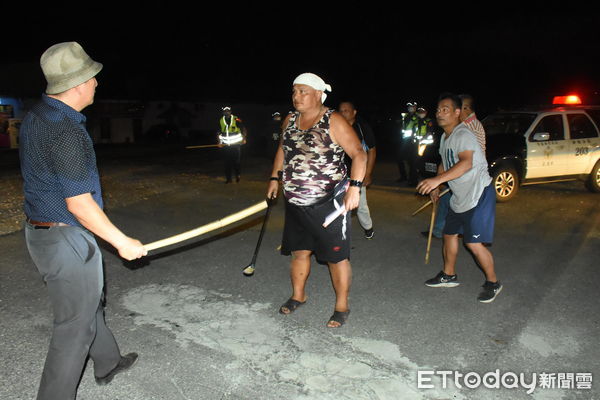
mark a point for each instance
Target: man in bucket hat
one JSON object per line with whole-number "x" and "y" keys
{"x": 63, "y": 206}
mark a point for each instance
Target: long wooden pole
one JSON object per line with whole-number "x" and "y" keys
{"x": 208, "y": 227}
{"x": 424, "y": 206}
{"x": 430, "y": 233}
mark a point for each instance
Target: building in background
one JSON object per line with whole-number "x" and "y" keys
{"x": 115, "y": 121}
{"x": 11, "y": 113}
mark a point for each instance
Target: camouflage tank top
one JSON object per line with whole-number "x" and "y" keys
{"x": 313, "y": 163}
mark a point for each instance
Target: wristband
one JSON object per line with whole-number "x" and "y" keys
{"x": 274, "y": 178}
{"x": 355, "y": 183}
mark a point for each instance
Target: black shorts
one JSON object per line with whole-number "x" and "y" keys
{"x": 303, "y": 230}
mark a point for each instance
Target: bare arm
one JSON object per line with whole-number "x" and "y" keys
{"x": 91, "y": 216}
{"x": 343, "y": 134}
{"x": 464, "y": 164}
{"x": 273, "y": 187}
{"x": 435, "y": 193}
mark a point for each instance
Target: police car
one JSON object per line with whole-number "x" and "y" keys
{"x": 537, "y": 145}
{"x": 554, "y": 143}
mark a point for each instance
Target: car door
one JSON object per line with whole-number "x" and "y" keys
{"x": 583, "y": 139}
{"x": 547, "y": 152}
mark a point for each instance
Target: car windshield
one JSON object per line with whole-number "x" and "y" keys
{"x": 507, "y": 123}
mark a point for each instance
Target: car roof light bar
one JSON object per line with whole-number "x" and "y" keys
{"x": 570, "y": 99}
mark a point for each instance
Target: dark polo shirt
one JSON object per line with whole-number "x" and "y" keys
{"x": 57, "y": 161}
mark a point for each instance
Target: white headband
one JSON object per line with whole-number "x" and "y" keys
{"x": 314, "y": 82}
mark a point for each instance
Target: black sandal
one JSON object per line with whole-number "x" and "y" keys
{"x": 340, "y": 317}
{"x": 291, "y": 306}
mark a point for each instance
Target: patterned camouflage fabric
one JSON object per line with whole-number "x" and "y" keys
{"x": 313, "y": 163}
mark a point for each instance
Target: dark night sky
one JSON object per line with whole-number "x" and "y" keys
{"x": 379, "y": 57}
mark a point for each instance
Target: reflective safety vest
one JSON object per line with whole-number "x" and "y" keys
{"x": 409, "y": 126}
{"x": 230, "y": 133}
{"x": 423, "y": 125}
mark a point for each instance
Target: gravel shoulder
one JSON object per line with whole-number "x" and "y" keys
{"x": 128, "y": 175}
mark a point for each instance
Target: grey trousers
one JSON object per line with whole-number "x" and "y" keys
{"x": 363, "y": 213}
{"x": 70, "y": 262}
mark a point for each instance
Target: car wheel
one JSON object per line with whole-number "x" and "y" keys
{"x": 593, "y": 182}
{"x": 506, "y": 184}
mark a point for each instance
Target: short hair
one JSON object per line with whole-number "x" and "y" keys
{"x": 456, "y": 100}
{"x": 465, "y": 96}
{"x": 352, "y": 103}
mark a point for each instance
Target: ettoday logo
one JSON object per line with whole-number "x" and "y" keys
{"x": 508, "y": 380}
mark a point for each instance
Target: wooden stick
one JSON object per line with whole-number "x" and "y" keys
{"x": 430, "y": 232}
{"x": 208, "y": 227}
{"x": 202, "y": 146}
{"x": 429, "y": 203}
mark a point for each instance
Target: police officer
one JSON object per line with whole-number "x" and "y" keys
{"x": 409, "y": 147}
{"x": 424, "y": 124}
{"x": 231, "y": 137}
{"x": 423, "y": 130}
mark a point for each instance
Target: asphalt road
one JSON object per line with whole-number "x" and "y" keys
{"x": 205, "y": 331}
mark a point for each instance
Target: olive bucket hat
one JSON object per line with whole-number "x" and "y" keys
{"x": 66, "y": 65}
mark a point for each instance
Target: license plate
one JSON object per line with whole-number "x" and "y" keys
{"x": 430, "y": 167}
